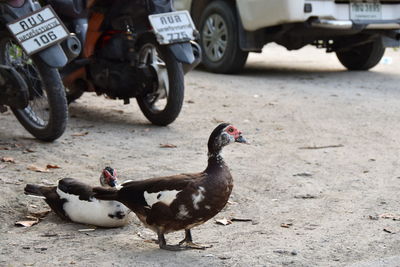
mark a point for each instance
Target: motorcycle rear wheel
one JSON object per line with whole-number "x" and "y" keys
{"x": 46, "y": 115}
{"x": 162, "y": 106}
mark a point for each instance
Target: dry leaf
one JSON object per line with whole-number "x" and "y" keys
{"x": 286, "y": 225}
{"x": 8, "y": 159}
{"x": 30, "y": 150}
{"x": 39, "y": 214}
{"x": 80, "y": 134}
{"x": 52, "y": 166}
{"x": 4, "y": 148}
{"x": 167, "y": 146}
{"x": 37, "y": 169}
{"x": 27, "y": 223}
{"x": 223, "y": 221}
{"x": 30, "y": 217}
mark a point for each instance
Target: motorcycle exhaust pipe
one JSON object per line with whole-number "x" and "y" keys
{"x": 197, "y": 57}
{"x": 72, "y": 47}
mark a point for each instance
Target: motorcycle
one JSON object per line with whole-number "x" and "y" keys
{"x": 131, "y": 49}
{"x": 30, "y": 55}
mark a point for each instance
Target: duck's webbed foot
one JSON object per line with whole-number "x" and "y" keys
{"x": 187, "y": 242}
{"x": 163, "y": 244}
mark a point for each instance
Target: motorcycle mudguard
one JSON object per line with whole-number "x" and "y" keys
{"x": 196, "y": 53}
{"x": 183, "y": 52}
{"x": 54, "y": 56}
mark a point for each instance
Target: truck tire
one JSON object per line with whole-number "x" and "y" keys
{"x": 362, "y": 57}
{"x": 219, "y": 39}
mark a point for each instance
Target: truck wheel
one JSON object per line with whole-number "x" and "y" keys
{"x": 219, "y": 39}
{"x": 362, "y": 57}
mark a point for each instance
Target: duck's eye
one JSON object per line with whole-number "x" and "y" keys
{"x": 230, "y": 130}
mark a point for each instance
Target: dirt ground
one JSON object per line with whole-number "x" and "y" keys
{"x": 332, "y": 206}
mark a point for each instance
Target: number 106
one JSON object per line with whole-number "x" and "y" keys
{"x": 45, "y": 38}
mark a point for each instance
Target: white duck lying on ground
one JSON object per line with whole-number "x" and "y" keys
{"x": 74, "y": 201}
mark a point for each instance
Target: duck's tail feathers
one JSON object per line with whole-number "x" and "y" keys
{"x": 34, "y": 190}
{"x": 105, "y": 193}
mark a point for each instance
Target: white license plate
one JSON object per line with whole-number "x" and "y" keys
{"x": 365, "y": 11}
{"x": 173, "y": 27}
{"x": 38, "y": 30}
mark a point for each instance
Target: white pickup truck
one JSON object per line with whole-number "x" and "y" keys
{"x": 358, "y": 31}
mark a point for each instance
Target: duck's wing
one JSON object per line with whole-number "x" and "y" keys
{"x": 160, "y": 189}
{"x": 174, "y": 182}
{"x": 74, "y": 187}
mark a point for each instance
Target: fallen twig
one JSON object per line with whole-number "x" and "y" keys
{"x": 320, "y": 147}
{"x": 241, "y": 220}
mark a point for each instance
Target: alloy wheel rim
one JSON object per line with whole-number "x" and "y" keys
{"x": 215, "y": 37}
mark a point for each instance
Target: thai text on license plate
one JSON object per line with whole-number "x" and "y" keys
{"x": 365, "y": 11}
{"x": 173, "y": 27}
{"x": 38, "y": 30}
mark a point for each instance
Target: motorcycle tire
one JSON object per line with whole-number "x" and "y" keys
{"x": 46, "y": 91}
{"x": 175, "y": 95}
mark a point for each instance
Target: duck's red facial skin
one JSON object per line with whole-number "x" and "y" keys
{"x": 110, "y": 177}
{"x": 231, "y": 130}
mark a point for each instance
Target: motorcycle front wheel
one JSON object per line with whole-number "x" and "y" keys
{"x": 162, "y": 105}
{"x": 46, "y": 115}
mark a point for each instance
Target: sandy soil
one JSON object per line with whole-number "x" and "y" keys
{"x": 331, "y": 206}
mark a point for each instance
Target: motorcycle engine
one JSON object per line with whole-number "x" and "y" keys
{"x": 112, "y": 73}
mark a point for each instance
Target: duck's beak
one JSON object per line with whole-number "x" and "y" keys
{"x": 113, "y": 183}
{"x": 241, "y": 139}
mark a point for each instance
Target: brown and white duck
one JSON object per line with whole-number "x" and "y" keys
{"x": 73, "y": 200}
{"x": 181, "y": 202}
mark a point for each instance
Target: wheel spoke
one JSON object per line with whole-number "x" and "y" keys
{"x": 207, "y": 36}
{"x": 218, "y": 22}
{"x": 210, "y": 25}
{"x": 37, "y": 109}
